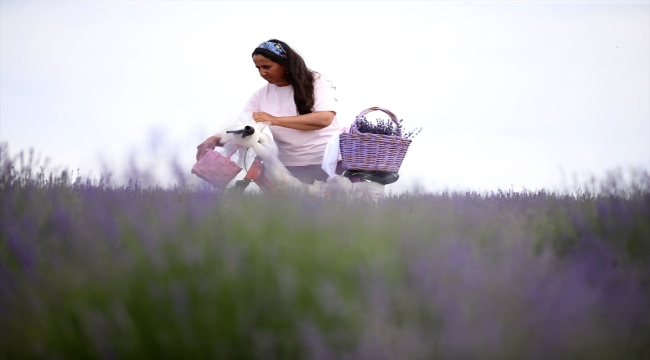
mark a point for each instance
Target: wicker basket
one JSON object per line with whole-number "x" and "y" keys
{"x": 216, "y": 169}
{"x": 372, "y": 152}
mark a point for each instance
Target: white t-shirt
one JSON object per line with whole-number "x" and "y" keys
{"x": 296, "y": 147}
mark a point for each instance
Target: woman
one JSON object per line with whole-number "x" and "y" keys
{"x": 299, "y": 105}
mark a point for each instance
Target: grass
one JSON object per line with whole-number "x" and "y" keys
{"x": 93, "y": 270}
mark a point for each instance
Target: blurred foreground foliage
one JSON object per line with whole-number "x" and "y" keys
{"x": 93, "y": 270}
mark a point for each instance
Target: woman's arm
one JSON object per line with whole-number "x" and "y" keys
{"x": 313, "y": 121}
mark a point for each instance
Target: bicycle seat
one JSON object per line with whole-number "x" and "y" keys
{"x": 381, "y": 177}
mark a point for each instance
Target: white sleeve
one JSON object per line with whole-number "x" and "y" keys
{"x": 253, "y": 104}
{"x": 324, "y": 99}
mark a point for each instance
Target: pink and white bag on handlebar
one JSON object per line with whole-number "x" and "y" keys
{"x": 216, "y": 168}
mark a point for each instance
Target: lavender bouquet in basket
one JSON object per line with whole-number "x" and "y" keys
{"x": 379, "y": 146}
{"x": 385, "y": 127}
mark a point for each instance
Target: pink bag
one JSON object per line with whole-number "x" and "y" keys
{"x": 216, "y": 169}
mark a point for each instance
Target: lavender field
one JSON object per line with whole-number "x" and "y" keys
{"x": 95, "y": 270}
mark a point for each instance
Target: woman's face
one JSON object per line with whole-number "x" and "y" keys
{"x": 271, "y": 71}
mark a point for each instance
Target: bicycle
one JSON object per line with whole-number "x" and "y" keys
{"x": 257, "y": 171}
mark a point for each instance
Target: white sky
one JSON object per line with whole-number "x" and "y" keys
{"x": 510, "y": 94}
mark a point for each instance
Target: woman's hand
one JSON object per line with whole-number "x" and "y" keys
{"x": 264, "y": 117}
{"x": 209, "y": 143}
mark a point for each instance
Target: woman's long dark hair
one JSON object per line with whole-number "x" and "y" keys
{"x": 298, "y": 75}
